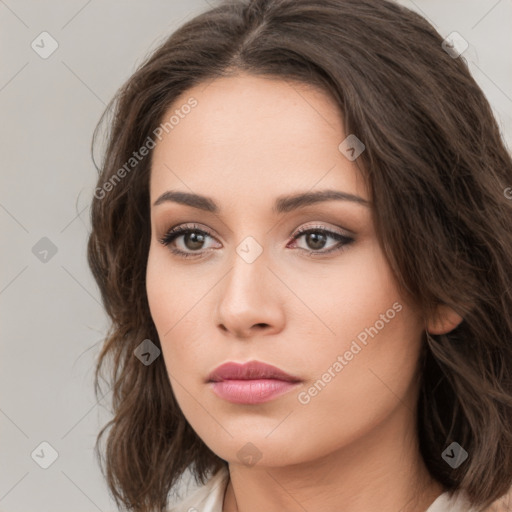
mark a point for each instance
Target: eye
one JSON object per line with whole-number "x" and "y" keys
{"x": 316, "y": 238}
{"x": 193, "y": 239}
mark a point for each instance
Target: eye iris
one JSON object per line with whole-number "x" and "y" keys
{"x": 197, "y": 240}
{"x": 317, "y": 239}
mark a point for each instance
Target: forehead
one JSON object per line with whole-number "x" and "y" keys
{"x": 248, "y": 133}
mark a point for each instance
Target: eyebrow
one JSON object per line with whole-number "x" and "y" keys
{"x": 283, "y": 204}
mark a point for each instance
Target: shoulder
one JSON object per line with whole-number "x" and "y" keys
{"x": 456, "y": 501}
{"x": 208, "y": 498}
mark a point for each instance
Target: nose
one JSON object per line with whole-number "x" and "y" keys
{"x": 250, "y": 301}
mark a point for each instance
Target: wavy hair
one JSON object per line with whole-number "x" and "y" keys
{"x": 438, "y": 173}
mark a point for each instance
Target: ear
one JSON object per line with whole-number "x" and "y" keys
{"x": 444, "y": 321}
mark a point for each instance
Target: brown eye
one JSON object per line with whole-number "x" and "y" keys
{"x": 192, "y": 241}
{"x": 316, "y": 239}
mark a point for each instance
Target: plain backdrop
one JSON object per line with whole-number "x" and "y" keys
{"x": 51, "y": 316}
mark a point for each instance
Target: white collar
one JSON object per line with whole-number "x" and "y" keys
{"x": 210, "y": 498}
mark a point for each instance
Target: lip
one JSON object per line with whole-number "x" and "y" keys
{"x": 250, "y": 383}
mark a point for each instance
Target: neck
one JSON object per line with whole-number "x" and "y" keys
{"x": 381, "y": 468}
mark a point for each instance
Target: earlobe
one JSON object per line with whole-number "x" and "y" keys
{"x": 446, "y": 319}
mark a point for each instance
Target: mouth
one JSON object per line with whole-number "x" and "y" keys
{"x": 250, "y": 383}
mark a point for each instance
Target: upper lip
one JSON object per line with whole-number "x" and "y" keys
{"x": 249, "y": 371}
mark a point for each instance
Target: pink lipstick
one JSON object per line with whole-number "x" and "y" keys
{"x": 250, "y": 383}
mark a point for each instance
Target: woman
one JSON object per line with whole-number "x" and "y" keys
{"x": 302, "y": 235}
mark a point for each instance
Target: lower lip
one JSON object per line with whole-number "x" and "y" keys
{"x": 254, "y": 391}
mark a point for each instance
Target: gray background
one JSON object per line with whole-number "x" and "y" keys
{"x": 51, "y": 317}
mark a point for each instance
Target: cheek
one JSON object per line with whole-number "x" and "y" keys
{"x": 160, "y": 297}
{"x": 170, "y": 290}
{"x": 174, "y": 302}
{"x": 349, "y": 297}
{"x": 164, "y": 302}
{"x": 358, "y": 373}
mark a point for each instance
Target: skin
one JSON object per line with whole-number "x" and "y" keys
{"x": 248, "y": 141}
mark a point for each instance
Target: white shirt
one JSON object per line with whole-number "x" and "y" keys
{"x": 210, "y": 497}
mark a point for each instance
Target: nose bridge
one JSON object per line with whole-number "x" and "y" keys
{"x": 248, "y": 270}
{"x": 247, "y": 296}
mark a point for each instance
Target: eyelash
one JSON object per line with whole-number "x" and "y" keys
{"x": 174, "y": 233}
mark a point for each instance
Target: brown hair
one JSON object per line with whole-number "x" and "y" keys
{"x": 438, "y": 172}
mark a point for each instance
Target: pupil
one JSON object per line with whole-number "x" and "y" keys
{"x": 197, "y": 239}
{"x": 315, "y": 238}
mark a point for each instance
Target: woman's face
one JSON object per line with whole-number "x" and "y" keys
{"x": 326, "y": 311}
